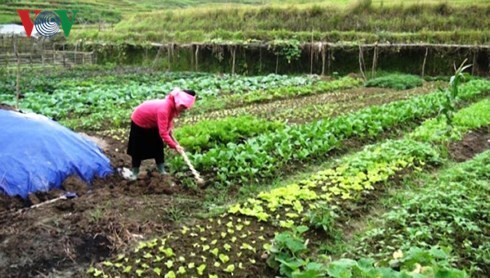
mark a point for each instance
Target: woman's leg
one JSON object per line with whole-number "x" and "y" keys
{"x": 135, "y": 143}
{"x": 135, "y": 164}
{"x": 159, "y": 160}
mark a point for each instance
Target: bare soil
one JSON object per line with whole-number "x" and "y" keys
{"x": 61, "y": 238}
{"x": 6, "y": 107}
{"x": 473, "y": 143}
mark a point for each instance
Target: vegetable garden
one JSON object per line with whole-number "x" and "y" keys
{"x": 335, "y": 139}
{"x": 296, "y": 170}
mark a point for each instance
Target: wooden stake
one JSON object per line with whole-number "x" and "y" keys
{"x": 323, "y": 50}
{"x": 233, "y": 53}
{"x": 311, "y": 53}
{"x": 192, "y": 57}
{"x": 197, "y": 58}
{"x": 425, "y": 60}
{"x": 17, "y": 85}
{"x": 158, "y": 55}
{"x": 169, "y": 53}
{"x": 375, "y": 61}
{"x": 277, "y": 62}
{"x": 260, "y": 59}
{"x": 361, "y": 62}
{"x": 42, "y": 51}
{"x": 473, "y": 68}
{"x": 329, "y": 59}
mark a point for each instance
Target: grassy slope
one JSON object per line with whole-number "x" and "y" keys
{"x": 332, "y": 20}
{"x": 453, "y": 23}
{"x": 91, "y": 11}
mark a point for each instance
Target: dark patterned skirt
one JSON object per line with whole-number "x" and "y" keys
{"x": 145, "y": 143}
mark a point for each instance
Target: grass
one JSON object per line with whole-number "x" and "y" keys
{"x": 435, "y": 21}
{"x": 91, "y": 11}
{"x": 393, "y": 23}
{"x": 319, "y": 18}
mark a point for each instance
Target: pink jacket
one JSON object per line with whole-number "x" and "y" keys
{"x": 157, "y": 113}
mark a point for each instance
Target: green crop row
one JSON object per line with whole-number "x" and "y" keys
{"x": 286, "y": 206}
{"x": 451, "y": 211}
{"x": 395, "y": 81}
{"x": 290, "y": 254}
{"x": 307, "y": 110}
{"x": 264, "y": 156}
{"x": 207, "y": 134}
{"x": 287, "y": 92}
{"x": 94, "y": 117}
{"x": 89, "y": 104}
{"x": 359, "y": 173}
{"x": 272, "y": 102}
{"x": 320, "y": 200}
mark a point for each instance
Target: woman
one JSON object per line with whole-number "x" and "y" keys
{"x": 151, "y": 126}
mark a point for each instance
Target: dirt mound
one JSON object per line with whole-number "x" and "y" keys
{"x": 473, "y": 143}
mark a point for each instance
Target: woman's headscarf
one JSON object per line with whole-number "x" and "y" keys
{"x": 183, "y": 98}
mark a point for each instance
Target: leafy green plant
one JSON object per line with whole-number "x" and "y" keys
{"x": 323, "y": 216}
{"x": 415, "y": 263}
{"x": 437, "y": 131}
{"x": 448, "y": 211}
{"x": 287, "y": 254}
{"x": 449, "y": 106}
{"x": 290, "y": 49}
{"x": 395, "y": 81}
{"x": 207, "y": 134}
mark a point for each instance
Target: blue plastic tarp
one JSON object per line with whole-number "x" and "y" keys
{"x": 38, "y": 154}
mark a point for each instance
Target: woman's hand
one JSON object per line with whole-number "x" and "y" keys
{"x": 179, "y": 149}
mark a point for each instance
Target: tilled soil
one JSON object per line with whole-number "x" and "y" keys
{"x": 64, "y": 236}
{"x": 473, "y": 143}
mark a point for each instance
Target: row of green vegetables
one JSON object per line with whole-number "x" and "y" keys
{"x": 119, "y": 111}
{"x": 395, "y": 81}
{"x": 323, "y": 201}
{"x": 355, "y": 174}
{"x": 114, "y": 80}
{"x": 87, "y": 105}
{"x": 264, "y": 156}
{"x": 450, "y": 211}
{"x": 314, "y": 107}
{"x": 239, "y": 242}
{"x": 314, "y": 111}
{"x": 47, "y": 80}
{"x": 143, "y": 86}
{"x": 209, "y": 133}
{"x": 381, "y": 160}
{"x": 274, "y": 93}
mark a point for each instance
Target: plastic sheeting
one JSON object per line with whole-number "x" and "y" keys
{"x": 38, "y": 154}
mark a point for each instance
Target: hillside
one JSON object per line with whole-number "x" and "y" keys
{"x": 365, "y": 21}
